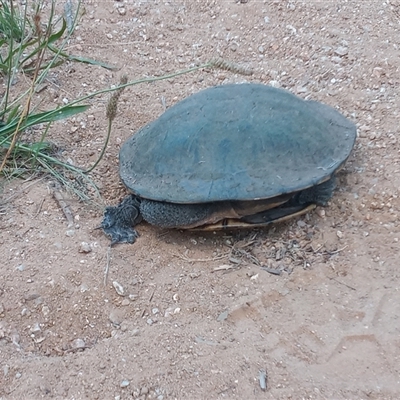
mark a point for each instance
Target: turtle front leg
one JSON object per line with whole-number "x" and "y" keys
{"x": 118, "y": 221}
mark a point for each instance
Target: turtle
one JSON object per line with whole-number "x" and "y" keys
{"x": 233, "y": 155}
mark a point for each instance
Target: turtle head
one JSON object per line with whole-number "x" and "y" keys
{"x": 118, "y": 222}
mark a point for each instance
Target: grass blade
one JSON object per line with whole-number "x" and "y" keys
{"x": 57, "y": 35}
{"x": 40, "y": 118}
{"x": 84, "y": 60}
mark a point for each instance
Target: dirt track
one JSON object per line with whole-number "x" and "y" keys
{"x": 328, "y": 327}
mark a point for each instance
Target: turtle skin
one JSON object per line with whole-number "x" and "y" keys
{"x": 119, "y": 221}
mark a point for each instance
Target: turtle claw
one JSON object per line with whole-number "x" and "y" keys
{"x": 118, "y": 221}
{"x": 128, "y": 235}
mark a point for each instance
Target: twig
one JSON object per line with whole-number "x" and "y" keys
{"x": 39, "y": 208}
{"x": 151, "y": 296}
{"x": 272, "y": 271}
{"x": 224, "y": 267}
{"x": 317, "y": 249}
{"x": 331, "y": 253}
{"x": 342, "y": 283}
{"x": 107, "y": 267}
{"x": 64, "y": 207}
{"x": 243, "y": 253}
{"x": 200, "y": 259}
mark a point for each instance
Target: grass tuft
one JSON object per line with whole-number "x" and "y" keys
{"x": 32, "y": 40}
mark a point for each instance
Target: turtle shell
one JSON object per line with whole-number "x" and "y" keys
{"x": 236, "y": 142}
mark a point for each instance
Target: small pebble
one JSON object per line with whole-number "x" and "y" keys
{"x": 45, "y": 310}
{"x": 117, "y": 316}
{"x": 301, "y": 89}
{"x": 254, "y": 277}
{"x": 339, "y": 234}
{"x": 25, "y": 312}
{"x": 124, "y": 383}
{"x": 125, "y": 302}
{"x": 150, "y": 321}
{"x": 233, "y": 47}
{"x": 35, "y": 327}
{"x": 341, "y": 51}
{"x": 31, "y": 296}
{"x": 135, "y": 332}
{"x": 301, "y": 224}
{"x": 168, "y": 312}
{"x": 70, "y": 232}
{"x": 78, "y": 344}
{"x": 262, "y": 376}
{"x": 144, "y": 390}
{"x": 378, "y": 71}
{"x": 85, "y": 248}
{"x": 336, "y": 60}
{"x": 15, "y": 338}
{"x": 119, "y": 288}
{"x": 223, "y": 316}
{"x": 84, "y": 288}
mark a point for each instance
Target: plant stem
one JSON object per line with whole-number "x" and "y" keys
{"x": 102, "y": 150}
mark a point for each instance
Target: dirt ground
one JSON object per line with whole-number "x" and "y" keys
{"x": 194, "y": 315}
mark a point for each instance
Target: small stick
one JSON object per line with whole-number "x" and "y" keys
{"x": 224, "y": 267}
{"x": 331, "y": 253}
{"x": 200, "y": 259}
{"x": 342, "y": 283}
{"x": 64, "y": 207}
{"x": 317, "y": 249}
{"x": 39, "y": 208}
{"x": 151, "y": 297}
{"x": 107, "y": 267}
{"x": 273, "y": 271}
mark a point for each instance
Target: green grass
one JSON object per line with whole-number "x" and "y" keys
{"x": 32, "y": 42}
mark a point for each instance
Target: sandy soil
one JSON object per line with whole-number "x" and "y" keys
{"x": 198, "y": 317}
